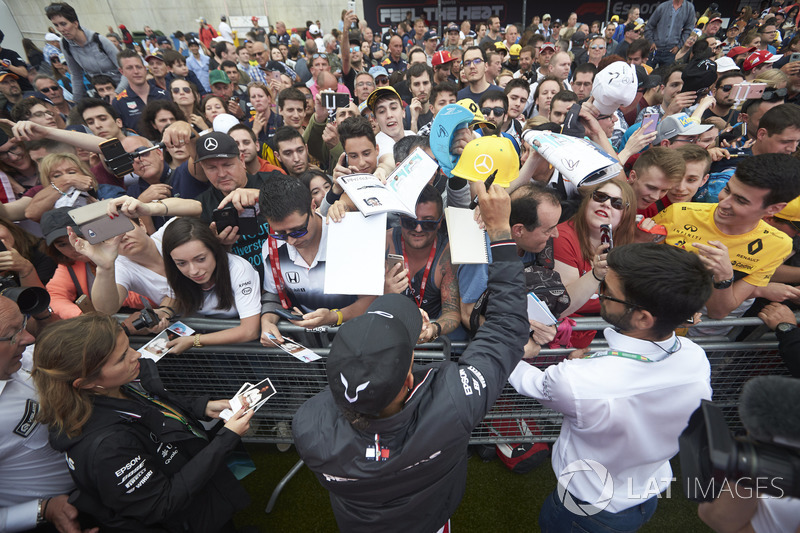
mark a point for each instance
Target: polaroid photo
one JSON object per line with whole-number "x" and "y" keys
{"x": 181, "y": 329}
{"x": 157, "y": 347}
{"x": 255, "y": 396}
{"x": 298, "y": 350}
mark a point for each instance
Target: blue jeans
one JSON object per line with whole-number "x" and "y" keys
{"x": 662, "y": 57}
{"x": 555, "y": 518}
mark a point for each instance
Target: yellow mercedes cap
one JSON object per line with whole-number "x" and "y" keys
{"x": 484, "y": 155}
{"x": 479, "y": 120}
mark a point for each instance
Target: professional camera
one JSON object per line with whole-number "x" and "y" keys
{"x": 30, "y": 300}
{"x": 767, "y": 459}
{"x": 147, "y": 319}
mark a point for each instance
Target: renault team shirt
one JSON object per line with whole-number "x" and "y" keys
{"x": 754, "y": 255}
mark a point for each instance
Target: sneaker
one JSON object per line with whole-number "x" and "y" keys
{"x": 284, "y": 432}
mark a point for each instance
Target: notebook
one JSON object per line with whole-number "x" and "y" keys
{"x": 538, "y": 311}
{"x": 467, "y": 240}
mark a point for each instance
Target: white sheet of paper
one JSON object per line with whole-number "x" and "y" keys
{"x": 355, "y": 255}
{"x": 538, "y": 311}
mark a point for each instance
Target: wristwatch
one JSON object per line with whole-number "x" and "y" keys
{"x": 722, "y": 284}
{"x": 784, "y": 327}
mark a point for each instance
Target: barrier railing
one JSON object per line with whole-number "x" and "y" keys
{"x": 220, "y": 370}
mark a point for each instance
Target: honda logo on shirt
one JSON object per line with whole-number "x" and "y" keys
{"x": 293, "y": 277}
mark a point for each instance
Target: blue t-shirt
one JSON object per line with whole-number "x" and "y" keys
{"x": 184, "y": 185}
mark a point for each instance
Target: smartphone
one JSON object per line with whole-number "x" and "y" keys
{"x": 794, "y": 57}
{"x": 225, "y": 217}
{"x": 3, "y": 247}
{"x": 84, "y": 303}
{"x": 748, "y": 91}
{"x": 351, "y": 5}
{"x": 737, "y": 132}
{"x": 394, "y": 259}
{"x": 335, "y": 100}
{"x": 274, "y": 75}
{"x": 96, "y": 225}
{"x": 283, "y": 313}
{"x": 649, "y": 123}
{"x": 605, "y": 236}
{"x": 117, "y": 159}
{"x": 248, "y": 221}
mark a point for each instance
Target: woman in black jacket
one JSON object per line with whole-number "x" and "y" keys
{"x": 138, "y": 454}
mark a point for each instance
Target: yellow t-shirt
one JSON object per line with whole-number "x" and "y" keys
{"x": 754, "y": 255}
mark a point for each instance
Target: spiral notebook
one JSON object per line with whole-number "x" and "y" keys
{"x": 467, "y": 240}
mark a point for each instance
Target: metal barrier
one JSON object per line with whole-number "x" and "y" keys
{"x": 220, "y": 370}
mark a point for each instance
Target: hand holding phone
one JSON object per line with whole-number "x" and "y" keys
{"x": 649, "y": 123}
{"x": 283, "y": 313}
{"x": 605, "y": 236}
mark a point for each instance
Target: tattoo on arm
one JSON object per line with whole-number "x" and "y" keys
{"x": 451, "y": 299}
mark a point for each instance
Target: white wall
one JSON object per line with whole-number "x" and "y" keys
{"x": 169, "y": 16}
{"x": 13, "y": 37}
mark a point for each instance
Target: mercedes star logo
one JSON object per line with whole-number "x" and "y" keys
{"x": 210, "y": 144}
{"x": 484, "y": 164}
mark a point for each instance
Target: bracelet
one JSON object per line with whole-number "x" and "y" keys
{"x": 53, "y": 185}
{"x": 41, "y": 508}
{"x": 599, "y": 280}
{"x": 171, "y": 313}
{"x": 166, "y": 209}
{"x": 197, "y": 343}
{"x": 438, "y": 330}
{"x": 339, "y": 317}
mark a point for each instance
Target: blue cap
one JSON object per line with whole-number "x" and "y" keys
{"x": 378, "y": 71}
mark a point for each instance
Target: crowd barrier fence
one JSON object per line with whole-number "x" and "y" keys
{"x": 220, "y": 371}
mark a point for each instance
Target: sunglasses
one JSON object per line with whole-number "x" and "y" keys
{"x": 354, "y": 49}
{"x": 178, "y": 90}
{"x": 792, "y": 223}
{"x": 726, "y": 88}
{"x": 597, "y": 47}
{"x": 774, "y": 94}
{"x": 472, "y": 62}
{"x": 601, "y": 294}
{"x": 382, "y": 80}
{"x": 497, "y": 111}
{"x": 616, "y": 203}
{"x": 296, "y": 234}
{"x": 53, "y": 89}
{"x": 412, "y": 223}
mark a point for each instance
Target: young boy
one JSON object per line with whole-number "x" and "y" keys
{"x": 176, "y": 64}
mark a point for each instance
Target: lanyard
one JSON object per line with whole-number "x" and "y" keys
{"x": 636, "y": 357}
{"x": 167, "y": 411}
{"x": 425, "y": 274}
{"x": 275, "y": 264}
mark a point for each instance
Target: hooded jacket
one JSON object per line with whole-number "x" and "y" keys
{"x": 138, "y": 470}
{"x": 407, "y": 472}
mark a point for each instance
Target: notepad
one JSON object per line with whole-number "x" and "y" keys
{"x": 538, "y": 311}
{"x": 467, "y": 239}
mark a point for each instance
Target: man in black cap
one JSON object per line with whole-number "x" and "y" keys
{"x": 389, "y": 441}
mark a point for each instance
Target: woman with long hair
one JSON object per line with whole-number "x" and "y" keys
{"x": 186, "y": 95}
{"x": 578, "y": 246}
{"x": 213, "y": 106}
{"x": 208, "y": 281}
{"x": 138, "y": 453}
{"x": 157, "y": 115}
{"x": 23, "y": 256}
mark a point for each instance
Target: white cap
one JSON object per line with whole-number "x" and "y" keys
{"x": 313, "y": 29}
{"x": 224, "y": 122}
{"x": 614, "y": 86}
{"x": 725, "y": 64}
{"x": 50, "y": 36}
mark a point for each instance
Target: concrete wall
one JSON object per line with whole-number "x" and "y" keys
{"x": 171, "y": 15}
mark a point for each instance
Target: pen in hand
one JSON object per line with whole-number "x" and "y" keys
{"x": 488, "y": 183}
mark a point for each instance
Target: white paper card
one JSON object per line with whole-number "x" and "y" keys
{"x": 538, "y": 311}
{"x": 356, "y": 247}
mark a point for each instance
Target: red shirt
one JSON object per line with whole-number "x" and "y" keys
{"x": 567, "y": 249}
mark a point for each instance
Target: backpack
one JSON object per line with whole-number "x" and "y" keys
{"x": 95, "y": 39}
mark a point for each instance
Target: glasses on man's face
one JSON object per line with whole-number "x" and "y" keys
{"x": 42, "y": 114}
{"x": 726, "y": 88}
{"x": 366, "y": 84}
{"x": 51, "y": 89}
{"x": 472, "y": 62}
{"x": 178, "y": 90}
{"x": 354, "y": 49}
{"x": 597, "y": 47}
{"x": 16, "y": 151}
{"x": 13, "y": 339}
{"x": 688, "y": 140}
{"x": 601, "y": 294}
{"x": 426, "y": 225}
{"x": 496, "y": 111}
{"x": 616, "y": 203}
{"x": 294, "y": 234}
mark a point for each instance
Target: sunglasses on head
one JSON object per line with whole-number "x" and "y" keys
{"x": 426, "y": 225}
{"x": 616, "y": 203}
{"x": 770, "y": 95}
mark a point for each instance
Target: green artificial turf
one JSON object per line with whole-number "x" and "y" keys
{"x": 496, "y": 499}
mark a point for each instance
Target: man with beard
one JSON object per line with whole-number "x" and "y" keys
{"x": 474, "y": 65}
{"x": 613, "y": 400}
{"x": 420, "y": 81}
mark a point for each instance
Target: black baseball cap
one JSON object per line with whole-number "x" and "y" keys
{"x": 371, "y": 355}
{"x": 699, "y": 75}
{"x": 216, "y": 144}
{"x": 54, "y": 224}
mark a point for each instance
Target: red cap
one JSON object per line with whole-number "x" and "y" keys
{"x": 551, "y": 46}
{"x": 715, "y": 19}
{"x": 441, "y": 57}
{"x": 736, "y": 50}
{"x": 758, "y": 58}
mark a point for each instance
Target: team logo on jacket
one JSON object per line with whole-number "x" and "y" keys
{"x": 293, "y": 277}
{"x": 358, "y": 389}
{"x": 376, "y": 452}
{"x": 131, "y": 105}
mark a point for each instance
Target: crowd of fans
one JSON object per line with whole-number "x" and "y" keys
{"x": 703, "y": 120}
